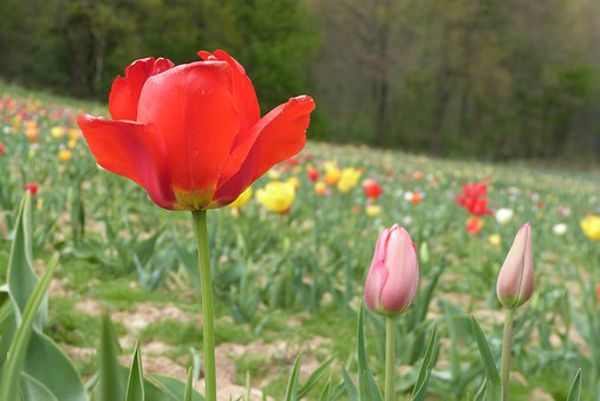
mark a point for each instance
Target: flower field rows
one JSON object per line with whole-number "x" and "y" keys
{"x": 289, "y": 261}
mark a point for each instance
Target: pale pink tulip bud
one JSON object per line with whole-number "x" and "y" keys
{"x": 393, "y": 279}
{"x": 515, "y": 281}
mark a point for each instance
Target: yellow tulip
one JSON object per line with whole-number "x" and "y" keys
{"x": 591, "y": 227}
{"x": 73, "y": 134}
{"x": 294, "y": 181}
{"x": 72, "y": 144}
{"x": 349, "y": 179}
{"x": 57, "y": 132}
{"x": 64, "y": 155}
{"x": 332, "y": 173}
{"x": 495, "y": 240}
{"x": 277, "y": 196}
{"x": 242, "y": 199}
{"x": 320, "y": 188}
{"x": 373, "y": 210}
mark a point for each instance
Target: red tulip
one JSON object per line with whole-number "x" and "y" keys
{"x": 312, "y": 173}
{"x": 2, "y": 149}
{"x": 473, "y": 199}
{"x": 31, "y": 187}
{"x": 192, "y": 135}
{"x": 294, "y": 161}
{"x": 474, "y": 225}
{"x": 393, "y": 278}
{"x": 371, "y": 188}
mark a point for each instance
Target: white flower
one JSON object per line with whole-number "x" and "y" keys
{"x": 504, "y": 215}
{"x": 559, "y": 229}
{"x": 408, "y": 196}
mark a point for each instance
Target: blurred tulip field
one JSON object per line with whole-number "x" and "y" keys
{"x": 289, "y": 261}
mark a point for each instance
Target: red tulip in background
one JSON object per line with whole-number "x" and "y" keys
{"x": 192, "y": 134}
{"x": 474, "y": 199}
{"x": 313, "y": 174}
{"x": 2, "y": 149}
{"x": 31, "y": 187}
{"x": 474, "y": 225}
{"x": 371, "y": 188}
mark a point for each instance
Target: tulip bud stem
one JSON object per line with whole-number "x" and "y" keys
{"x": 506, "y": 347}
{"x": 208, "y": 313}
{"x": 390, "y": 357}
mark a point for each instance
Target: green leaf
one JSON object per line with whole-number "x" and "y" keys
{"x": 367, "y": 386}
{"x": 349, "y": 385}
{"x": 325, "y": 394}
{"x": 575, "y": 392}
{"x": 112, "y": 385}
{"x": 35, "y": 390}
{"x": 167, "y": 388}
{"x": 314, "y": 378}
{"x": 494, "y": 386}
{"x": 426, "y": 367}
{"x": 11, "y": 372}
{"x": 21, "y": 276}
{"x": 189, "y": 385}
{"x": 290, "y": 388}
{"x": 480, "y": 395}
{"x": 62, "y": 379}
{"x": 135, "y": 383}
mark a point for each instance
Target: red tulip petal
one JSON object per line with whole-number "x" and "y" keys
{"x": 192, "y": 108}
{"x": 131, "y": 150}
{"x": 125, "y": 92}
{"x": 243, "y": 91}
{"x": 278, "y": 136}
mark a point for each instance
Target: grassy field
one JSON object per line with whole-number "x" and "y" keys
{"x": 289, "y": 283}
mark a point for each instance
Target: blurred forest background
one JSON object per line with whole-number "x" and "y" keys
{"x": 495, "y": 79}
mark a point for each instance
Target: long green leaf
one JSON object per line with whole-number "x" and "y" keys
{"x": 575, "y": 392}
{"x": 21, "y": 277}
{"x": 367, "y": 387}
{"x": 135, "y": 383}
{"x": 290, "y": 388}
{"x": 426, "y": 367}
{"x": 11, "y": 372}
{"x": 480, "y": 395}
{"x": 494, "y": 386}
{"x": 112, "y": 385}
{"x": 314, "y": 378}
{"x": 350, "y": 386}
{"x": 35, "y": 390}
{"x": 165, "y": 388}
{"x": 62, "y": 379}
{"x": 189, "y": 385}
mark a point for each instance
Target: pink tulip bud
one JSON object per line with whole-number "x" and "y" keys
{"x": 515, "y": 281}
{"x": 393, "y": 279}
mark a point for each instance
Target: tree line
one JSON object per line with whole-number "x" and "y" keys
{"x": 496, "y": 79}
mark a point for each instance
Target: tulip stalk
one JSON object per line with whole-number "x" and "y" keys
{"x": 506, "y": 347}
{"x": 208, "y": 313}
{"x": 390, "y": 357}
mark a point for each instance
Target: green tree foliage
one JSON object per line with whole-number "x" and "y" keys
{"x": 489, "y": 78}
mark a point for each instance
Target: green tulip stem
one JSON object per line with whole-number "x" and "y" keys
{"x": 506, "y": 346}
{"x": 208, "y": 313}
{"x": 390, "y": 358}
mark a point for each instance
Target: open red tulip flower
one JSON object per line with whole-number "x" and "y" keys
{"x": 192, "y": 134}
